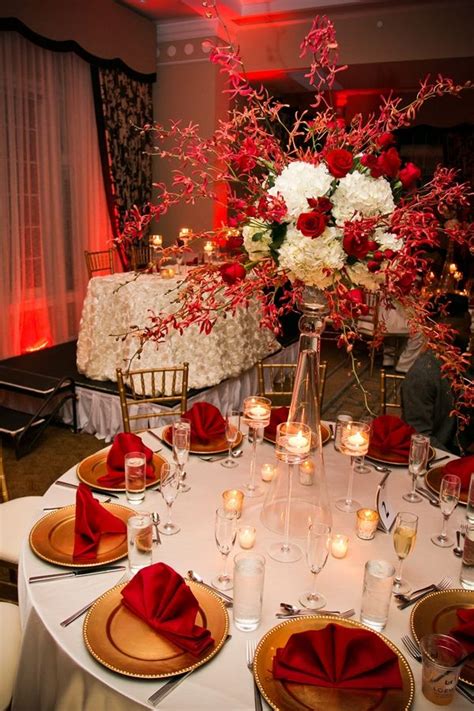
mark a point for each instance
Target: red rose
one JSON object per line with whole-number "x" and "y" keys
{"x": 370, "y": 161}
{"x": 385, "y": 140}
{"x": 232, "y": 272}
{"x": 409, "y": 175}
{"x": 235, "y": 242}
{"x": 339, "y": 162}
{"x": 356, "y": 298}
{"x": 389, "y": 253}
{"x": 355, "y": 244}
{"x": 389, "y": 163}
{"x": 321, "y": 204}
{"x": 372, "y": 245}
{"x": 378, "y": 255}
{"x": 312, "y": 224}
{"x": 373, "y": 266}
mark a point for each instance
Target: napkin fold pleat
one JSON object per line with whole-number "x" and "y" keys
{"x": 207, "y": 423}
{"x": 159, "y": 596}
{"x": 337, "y": 656}
{"x": 391, "y": 435}
{"x": 123, "y": 444}
{"x": 277, "y": 416}
{"x": 463, "y": 468}
{"x": 464, "y": 632}
{"x": 92, "y": 521}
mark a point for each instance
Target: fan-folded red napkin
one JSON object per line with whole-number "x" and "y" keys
{"x": 463, "y": 468}
{"x": 277, "y": 416}
{"x": 162, "y": 599}
{"x": 390, "y": 435}
{"x": 124, "y": 443}
{"x": 92, "y": 520}
{"x": 337, "y": 656}
{"x": 206, "y": 421}
{"x": 464, "y": 632}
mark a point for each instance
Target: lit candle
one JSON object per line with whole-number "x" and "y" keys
{"x": 165, "y": 273}
{"x": 297, "y": 443}
{"x": 208, "y": 247}
{"x": 339, "y": 545}
{"x": 257, "y": 412}
{"x": 184, "y": 232}
{"x": 306, "y": 472}
{"x": 247, "y": 535}
{"x": 268, "y": 472}
{"x": 171, "y": 272}
{"x": 453, "y": 268}
{"x": 366, "y": 525}
{"x": 233, "y": 501}
{"x": 156, "y": 240}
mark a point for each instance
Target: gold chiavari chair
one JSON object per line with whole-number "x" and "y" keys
{"x": 168, "y": 386}
{"x": 390, "y": 395}
{"x": 367, "y": 324}
{"x": 276, "y": 380}
{"x": 102, "y": 261}
{"x": 141, "y": 256}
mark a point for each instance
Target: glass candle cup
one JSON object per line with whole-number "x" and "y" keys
{"x": 233, "y": 501}
{"x": 366, "y": 523}
{"x": 339, "y": 545}
{"x": 135, "y": 476}
{"x": 268, "y": 472}
{"x": 139, "y": 541}
{"x": 467, "y": 569}
{"x": 246, "y": 536}
{"x": 440, "y": 667}
{"x": 340, "y": 419}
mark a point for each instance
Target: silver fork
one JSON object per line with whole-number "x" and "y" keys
{"x": 304, "y": 613}
{"x": 443, "y": 584}
{"x": 250, "y": 653}
{"x": 84, "y": 609}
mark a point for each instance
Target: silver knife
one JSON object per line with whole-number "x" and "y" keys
{"x": 74, "y": 573}
{"x": 67, "y": 485}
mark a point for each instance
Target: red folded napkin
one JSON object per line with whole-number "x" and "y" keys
{"x": 92, "y": 520}
{"x": 124, "y": 443}
{"x": 277, "y": 416}
{"x": 206, "y": 421}
{"x": 162, "y": 599}
{"x": 390, "y": 435}
{"x": 463, "y": 468}
{"x": 337, "y": 656}
{"x": 464, "y": 632}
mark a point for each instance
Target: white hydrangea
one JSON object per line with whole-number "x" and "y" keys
{"x": 361, "y": 195}
{"x": 360, "y": 275}
{"x": 307, "y": 259}
{"x": 387, "y": 240}
{"x": 299, "y": 181}
{"x": 258, "y": 249}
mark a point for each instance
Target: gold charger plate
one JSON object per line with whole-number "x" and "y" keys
{"x": 288, "y": 696}
{"x": 52, "y": 538}
{"x": 93, "y": 467}
{"x": 216, "y": 446}
{"x": 433, "y": 480}
{"x": 376, "y": 456}
{"x": 437, "y": 613}
{"x": 325, "y": 435}
{"x": 124, "y": 643}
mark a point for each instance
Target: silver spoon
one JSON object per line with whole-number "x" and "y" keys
{"x": 457, "y": 550}
{"x": 192, "y": 575}
{"x": 384, "y": 470}
{"x": 156, "y": 520}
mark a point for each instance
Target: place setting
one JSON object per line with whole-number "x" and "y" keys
{"x": 207, "y": 431}
{"x": 390, "y": 441}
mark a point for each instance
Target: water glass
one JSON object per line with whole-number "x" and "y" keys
{"x": 139, "y": 541}
{"x": 440, "y": 667}
{"x": 135, "y": 477}
{"x": 249, "y": 574}
{"x": 376, "y": 593}
{"x": 470, "y": 501}
{"x": 340, "y": 420}
{"x": 467, "y": 568}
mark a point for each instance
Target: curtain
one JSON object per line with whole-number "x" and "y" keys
{"x": 52, "y": 198}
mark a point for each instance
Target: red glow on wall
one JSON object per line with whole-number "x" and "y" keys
{"x": 35, "y": 333}
{"x": 266, "y": 75}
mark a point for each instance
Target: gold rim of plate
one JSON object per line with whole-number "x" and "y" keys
{"x": 274, "y": 692}
{"x": 396, "y": 462}
{"x": 433, "y": 481}
{"x": 217, "y": 446}
{"x": 325, "y": 435}
{"x": 94, "y": 466}
{"x": 113, "y": 635}
{"x": 52, "y": 538}
{"x": 436, "y": 613}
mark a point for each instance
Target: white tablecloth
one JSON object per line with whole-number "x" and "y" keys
{"x": 56, "y": 671}
{"x": 115, "y": 303}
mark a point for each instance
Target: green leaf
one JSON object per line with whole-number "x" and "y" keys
{"x": 278, "y": 230}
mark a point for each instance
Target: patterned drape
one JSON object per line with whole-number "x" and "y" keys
{"x": 123, "y": 105}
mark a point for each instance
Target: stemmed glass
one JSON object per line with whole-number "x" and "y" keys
{"x": 232, "y": 428}
{"x": 225, "y": 531}
{"x": 404, "y": 537}
{"x": 354, "y": 443}
{"x": 449, "y": 493}
{"x": 169, "y": 486}
{"x": 181, "y": 446}
{"x": 257, "y": 411}
{"x": 317, "y": 551}
{"x": 417, "y": 461}
{"x": 360, "y": 465}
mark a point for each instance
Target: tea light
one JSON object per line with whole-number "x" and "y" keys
{"x": 268, "y": 472}
{"x": 156, "y": 240}
{"x": 306, "y": 472}
{"x": 339, "y": 545}
{"x": 247, "y": 535}
{"x": 208, "y": 247}
{"x": 185, "y": 232}
{"x": 366, "y": 524}
{"x": 257, "y": 411}
{"x": 297, "y": 443}
{"x": 233, "y": 501}
{"x": 355, "y": 438}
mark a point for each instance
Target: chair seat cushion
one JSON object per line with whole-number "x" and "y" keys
{"x": 16, "y": 517}
{"x": 9, "y": 649}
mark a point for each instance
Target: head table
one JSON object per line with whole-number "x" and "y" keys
{"x": 57, "y": 672}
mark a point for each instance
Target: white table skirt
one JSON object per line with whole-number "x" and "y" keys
{"x": 57, "y": 672}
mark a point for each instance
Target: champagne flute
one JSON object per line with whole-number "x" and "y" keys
{"x": 232, "y": 428}
{"x": 404, "y": 537}
{"x": 181, "y": 446}
{"x": 317, "y": 551}
{"x": 417, "y": 461}
{"x": 169, "y": 486}
{"x": 449, "y": 493}
{"x": 225, "y": 531}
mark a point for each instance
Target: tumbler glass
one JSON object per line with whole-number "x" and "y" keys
{"x": 139, "y": 541}
{"x": 249, "y": 574}
{"x": 441, "y": 655}
{"x": 376, "y": 593}
{"x": 135, "y": 477}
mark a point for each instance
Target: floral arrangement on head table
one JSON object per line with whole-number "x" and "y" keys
{"x": 317, "y": 204}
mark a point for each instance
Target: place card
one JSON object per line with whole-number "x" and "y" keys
{"x": 387, "y": 513}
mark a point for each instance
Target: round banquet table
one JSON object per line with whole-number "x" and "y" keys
{"x": 57, "y": 672}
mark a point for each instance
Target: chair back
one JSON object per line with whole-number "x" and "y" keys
{"x": 390, "y": 395}
{"x": 143, "y": 391}
{"x": 276, "y": 380}
{"x": 102, "y": 261}
{"x": 140, "y": 257}
{"x": 4, "y": 496}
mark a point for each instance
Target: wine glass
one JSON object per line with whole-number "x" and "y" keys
{"x": 449, "y": 493}
{"x": 404, "y": 537}
{"x": 354, "y": 443}
{"x": 232, "y": 428}
{"x": 317, "y": 551}
{"x": 181, "y": 446}
{"x": 417, "y": 460}
{"x": 169, "y": 486}
{"x": 225, "y": 531}
{"x": 360, "y": 466}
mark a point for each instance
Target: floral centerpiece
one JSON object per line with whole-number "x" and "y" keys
{"x": 316, "y": 203}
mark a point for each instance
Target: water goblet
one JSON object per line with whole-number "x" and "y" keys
{"x": 256, "y": 416}
{"x": 317, "y": 551}
{"x": 181, "y": 446}
{"x": 232, "y": 428}
{"x": 225, "y": 532}
{"x": 417, "y": 461}
{"x": 354, "y": 443}
{"x": 404, "y": 537}
{"x": 449, "y": 493}
{"x": 169, "y": 486}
